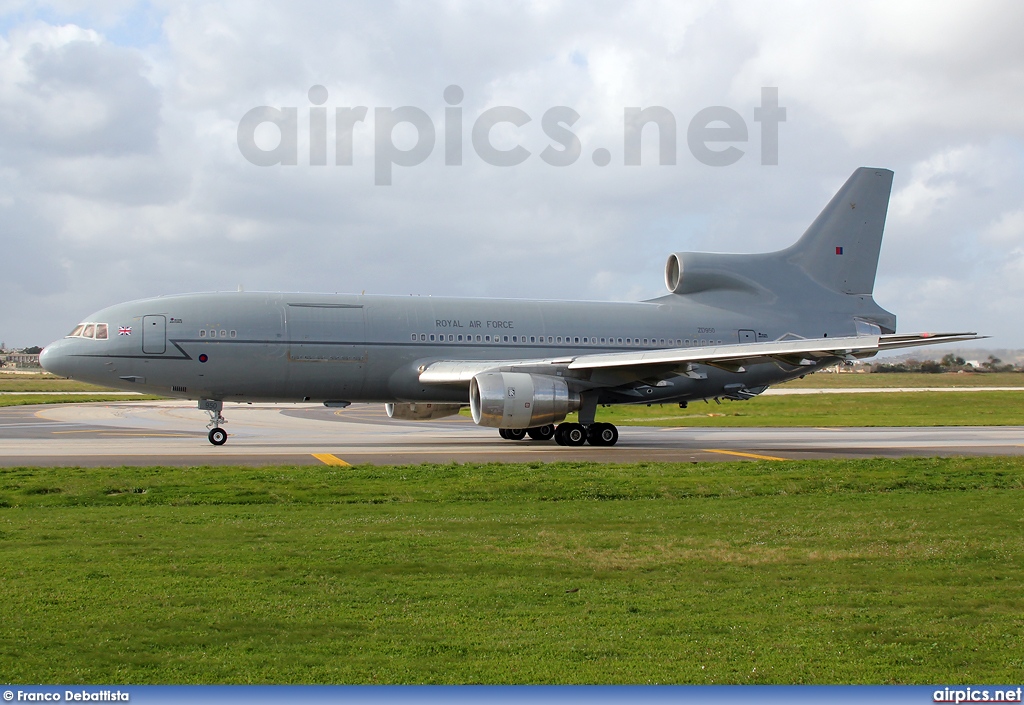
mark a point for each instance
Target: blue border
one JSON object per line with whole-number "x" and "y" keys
{"x": 535, "y": 695}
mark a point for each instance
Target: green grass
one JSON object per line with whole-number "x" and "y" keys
{"x": 833, "y": 410}
{"x": 827, "y": 380}
{"x": 39, "y": 388}
{"x": 23, "y": 399}
{"x": 44, "y": 382}
{"x": 884, "y": 571}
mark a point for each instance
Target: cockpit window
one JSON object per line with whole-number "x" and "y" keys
{"x": 97, "y": 331}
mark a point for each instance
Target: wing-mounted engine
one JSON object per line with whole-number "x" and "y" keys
{"x": 421, "y": 411}
{"x": 520, "y": 400}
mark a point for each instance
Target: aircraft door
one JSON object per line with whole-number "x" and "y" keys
{"x": 326, "y": 349}
{"x": 154, "y": 335}
{"x": 748, "y": 336}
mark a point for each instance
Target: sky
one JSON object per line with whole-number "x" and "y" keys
{"x": 125, "y": 172}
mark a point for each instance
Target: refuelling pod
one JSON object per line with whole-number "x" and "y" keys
{"x": 421, "y": 411}
{"x": 519, "y": 400}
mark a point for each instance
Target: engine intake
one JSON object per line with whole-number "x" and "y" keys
{"x": 519, "y": 400}
{"x": 693, "y": 272}
{"x": 419, "y": 411}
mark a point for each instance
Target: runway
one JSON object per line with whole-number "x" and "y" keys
{"x": 173, "y": 433}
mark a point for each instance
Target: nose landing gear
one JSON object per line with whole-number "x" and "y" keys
{"x": 217, "y": 436}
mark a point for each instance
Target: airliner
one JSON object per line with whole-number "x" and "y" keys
{"x": 730, "y": 326}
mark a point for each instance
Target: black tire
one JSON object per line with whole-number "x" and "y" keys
{"x": 503, "y": 433}
{"x": 574, "y": 434}
{"x": 542, "y": 433}
{"x": 560, "y": 434}
{"x": 218, "y": 436}
{"x": 515, "y": 434}
{"x": 602, "y": 434}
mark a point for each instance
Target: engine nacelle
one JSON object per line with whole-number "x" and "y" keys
{"x": 693, "y": 272}
{"x": 420, "y": 411}
{"x": 520, "y": 400}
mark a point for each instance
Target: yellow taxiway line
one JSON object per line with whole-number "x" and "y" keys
{"x": 328, "y": 459}
{"x": 742, "y": 455}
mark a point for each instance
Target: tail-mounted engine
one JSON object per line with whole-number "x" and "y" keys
{"x": 520, "y": 400}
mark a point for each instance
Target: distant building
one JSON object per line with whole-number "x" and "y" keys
{"x": 20, "y": 359}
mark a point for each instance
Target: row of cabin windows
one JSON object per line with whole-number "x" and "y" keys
{"x": 213, "y": 334}
{"x": 557, "y": 340}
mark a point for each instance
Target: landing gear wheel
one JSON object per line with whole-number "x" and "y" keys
{"x": 218, "y": 436}
{"x": 542, "y": 433}
{"x": 570, "y": 434}
{"x": 515, "y": 434}
{"x": 503, "y": 433}
{"x": 602, "y": 434}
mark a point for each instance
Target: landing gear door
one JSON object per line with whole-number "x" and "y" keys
{"x": 154, "y": 335}
{"x": 748, "y": 336}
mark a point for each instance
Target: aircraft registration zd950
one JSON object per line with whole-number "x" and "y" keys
{"x": 731, "y": 325}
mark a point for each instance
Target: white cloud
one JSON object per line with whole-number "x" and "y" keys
{"x": 121, "y": 177}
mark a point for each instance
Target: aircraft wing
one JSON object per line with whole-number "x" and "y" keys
{"x": 800, "y": 351}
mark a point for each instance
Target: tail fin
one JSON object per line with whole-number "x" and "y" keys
{"x": 840, "y": 248}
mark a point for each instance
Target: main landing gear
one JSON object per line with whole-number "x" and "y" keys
{"x": 566, "y": 434}
{"x": 218, "y": 436}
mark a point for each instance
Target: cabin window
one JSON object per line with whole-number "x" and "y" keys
{"x": 431, "y": 337}
{"x": 202, "y": 334}
{"x": 478, "y": 338}
{"x": 232, "y": 333}
{"x": 559, "y": 339}
{"x": 514, "y": 339}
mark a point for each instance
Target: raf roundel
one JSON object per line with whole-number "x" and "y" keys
{"x": 203, "y": 358}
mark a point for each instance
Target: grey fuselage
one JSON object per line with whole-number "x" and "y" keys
{"x": 333, "y": 347}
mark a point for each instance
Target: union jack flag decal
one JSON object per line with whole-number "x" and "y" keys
{"x": 124, "y": 330}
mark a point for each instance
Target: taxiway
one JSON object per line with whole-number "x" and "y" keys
{"x": 173, "y": 433}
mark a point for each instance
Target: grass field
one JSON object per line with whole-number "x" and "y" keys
{"x": 833, "y": 410}
{"x": 828, "y": 380}
{"x": 41, "y": 388}
{"x": 880, "y": 571}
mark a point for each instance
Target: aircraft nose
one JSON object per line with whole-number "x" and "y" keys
{"x": 54, "y": 359}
